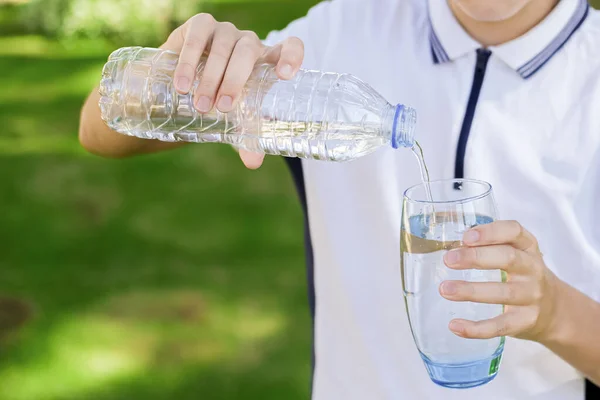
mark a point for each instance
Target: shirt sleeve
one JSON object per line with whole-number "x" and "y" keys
{"x": 318, "y": 30}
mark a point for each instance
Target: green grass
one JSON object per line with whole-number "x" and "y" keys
{"x": 172, "y": 276}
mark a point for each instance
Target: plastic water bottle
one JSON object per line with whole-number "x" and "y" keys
{"x": 316, "y": 115}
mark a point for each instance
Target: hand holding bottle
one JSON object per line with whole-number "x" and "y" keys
{"x": 232, "y": 55}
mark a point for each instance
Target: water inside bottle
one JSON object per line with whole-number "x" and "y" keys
{"x": 313, "y": 140}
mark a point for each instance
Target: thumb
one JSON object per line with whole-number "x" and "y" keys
{"x": 287, "y": 56}
{"x": 174, "y": 42}
{"x": 251, "y": 160}
{"x": 271, "y": 54}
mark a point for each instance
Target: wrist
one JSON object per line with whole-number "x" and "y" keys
{"x": 560, "y": 327}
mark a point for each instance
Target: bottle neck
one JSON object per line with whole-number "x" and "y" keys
{"x": 399, "y": 125}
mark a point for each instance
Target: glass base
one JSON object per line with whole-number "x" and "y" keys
{"x": 466, "y": 375}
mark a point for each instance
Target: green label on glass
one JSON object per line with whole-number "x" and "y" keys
{"x": 494, "y": 365}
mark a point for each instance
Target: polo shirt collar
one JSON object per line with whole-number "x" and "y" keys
{"x": 525, "y": 54}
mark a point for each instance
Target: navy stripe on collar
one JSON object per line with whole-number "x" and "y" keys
{"x": 437, "y": 50}
{"x": 537, "y": 62}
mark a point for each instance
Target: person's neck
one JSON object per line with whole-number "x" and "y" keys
{"x": 496, "y": 33}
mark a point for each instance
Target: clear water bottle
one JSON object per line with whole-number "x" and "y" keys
{"x": 316, "y": 115}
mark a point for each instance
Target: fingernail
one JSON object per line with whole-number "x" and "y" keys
{"x": 452, "y": 257}
{"x": 455, "y": 327}
{"x": 286, "y": 70}
{"x": 225, "y": 103}
{"x": 183, "y": 84}
{"x": 471, "y": 237}
{"x": 203, "y": 104}
{"x": 449, "y": 288}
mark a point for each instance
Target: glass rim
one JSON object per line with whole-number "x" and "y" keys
{"x": 486, "y": 191}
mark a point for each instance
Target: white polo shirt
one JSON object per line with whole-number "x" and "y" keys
{"x": 524, "y": 116}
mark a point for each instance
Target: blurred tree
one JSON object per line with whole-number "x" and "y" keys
{"x": 148, "y": 22}
{"x": 133, "y": 21}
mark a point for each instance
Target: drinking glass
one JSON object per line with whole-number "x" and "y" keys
{"x": 429, "y": 229}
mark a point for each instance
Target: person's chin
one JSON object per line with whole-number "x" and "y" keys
{"x": 488, "y": 14}
{"x": 491, "y": 18}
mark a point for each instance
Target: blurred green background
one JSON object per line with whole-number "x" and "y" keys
{"x": 171, "y": 276}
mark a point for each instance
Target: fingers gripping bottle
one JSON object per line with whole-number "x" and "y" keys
{"x": 316, "y": 115}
